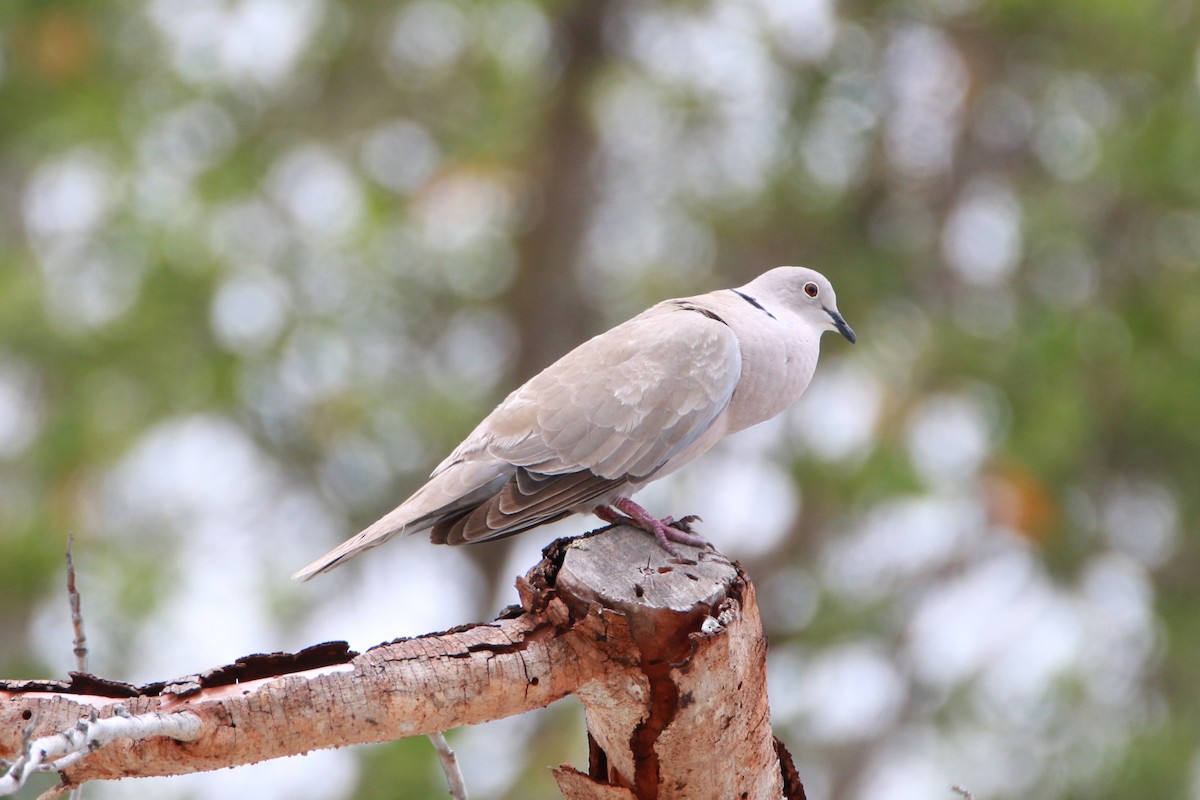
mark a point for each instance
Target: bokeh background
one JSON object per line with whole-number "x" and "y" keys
{"x": 264, "y": 262}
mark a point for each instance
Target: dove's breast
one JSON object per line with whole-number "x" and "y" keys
{"x": 779, "y": 356}
{"x": 779, "y": 353}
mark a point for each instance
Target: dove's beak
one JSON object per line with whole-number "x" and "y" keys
{"x": 839, "y": 322}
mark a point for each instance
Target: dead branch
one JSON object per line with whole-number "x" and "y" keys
{"x": 450, "y": 768}
{"x": 79, "y": 643}
{"x": 666, "y": 655}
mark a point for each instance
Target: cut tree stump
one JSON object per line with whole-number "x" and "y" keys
{"x": 666, "y": 654}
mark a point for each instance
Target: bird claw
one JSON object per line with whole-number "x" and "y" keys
{"x": 683, "y": 524}
{"x": 667, "y": 531}
{"x": 681, "y": 532}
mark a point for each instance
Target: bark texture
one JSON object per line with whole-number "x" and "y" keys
{"x": 666, "y": 654}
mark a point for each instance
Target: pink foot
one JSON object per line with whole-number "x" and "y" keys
{"x": 684, "y": 524}
{"x": 613, "y": 517}
{"x": 665, "y": 531}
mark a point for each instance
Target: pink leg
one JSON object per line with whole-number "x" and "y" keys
{"x": 613, "y": 517}
{"x": 665, "y": 531}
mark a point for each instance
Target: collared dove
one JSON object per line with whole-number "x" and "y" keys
{"x": 624, "y": 408}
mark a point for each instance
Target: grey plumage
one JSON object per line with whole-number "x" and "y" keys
{"x": 624, "y": 408}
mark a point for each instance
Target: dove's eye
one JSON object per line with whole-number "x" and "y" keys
{"x": 811, "y": 289}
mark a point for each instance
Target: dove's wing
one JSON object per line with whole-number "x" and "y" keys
{"x": 612, "y": 411}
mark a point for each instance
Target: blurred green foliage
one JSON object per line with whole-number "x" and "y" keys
{"x": 345, "y": 230}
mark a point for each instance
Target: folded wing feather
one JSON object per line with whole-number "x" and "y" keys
{"x": 614, "y": 410}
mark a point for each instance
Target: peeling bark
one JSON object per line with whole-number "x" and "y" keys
{"x": 666, "y": 654}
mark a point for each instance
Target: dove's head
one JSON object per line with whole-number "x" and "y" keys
{"x": 806, "y": 292}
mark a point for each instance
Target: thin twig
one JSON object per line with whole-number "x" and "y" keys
{"x": 961, "y": 792}
{"x": 454, "y": 777}
{"x": 54, "y": 792}
{"x": 80, "y": 642}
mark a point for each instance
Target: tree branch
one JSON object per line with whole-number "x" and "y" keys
{"x": 666, "y": 654}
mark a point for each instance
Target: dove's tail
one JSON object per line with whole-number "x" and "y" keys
{"x": 457, "y": 488}
{"x": 411, "y": 516}
{"x": 377, "y": 534}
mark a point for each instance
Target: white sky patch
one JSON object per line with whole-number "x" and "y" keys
{"x": 491, "y": 754}
{"x": 69, "y": 195}
{"x": 519, "y": 35}
{"x": 164, "y": 198}
{"x": 845, "y": 692}
{"x": 241, "y": 532}
{"x": 472, "y": 354}
{"x": 948, "y": 439}
{"x": 754, "y": 507}
{"x": 249, "y": 232}
{"x": 20, "y": 407}
{"x": 186, "y": 469}
{"x": 429, "y": 35}
{"x": 1117, "y": 594}
{"x": 625, "y": 238}
{"x": 1006, "y": 636}
{"x": 316, "y": 363}
{"x": 1141, "y": 519}
{"x": 927, "y": 82}
{"x": 788, "y": 599}
{"x": 634, "y": 120}
{"x": 1050, "y": 640}
{"x": 714, "y": 56}
{"x": 837, "y": 140}
{"x": 172, "y": 151}
{"x": 238, "y": 41}
{"x": 400, "y": 155}
{"x": 906, "y": 769}
{"x": 318, "y": 190}
{"x": 88, "y": 284}
{"x": 900, "y": 541}
{"x": 803, "y": 29}
{"x": 784, "y": 663}
{"x": 248, "y": 312}
{"x": 836, "y": 417}
{"x": 1001, "y": 620}
{"x": 982, "y": 240}
{"x": 356, "y": 470}
{"x": 712, "y": 48}
{"x": 319, "y": 775}
{"x": 235, "y": 532}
